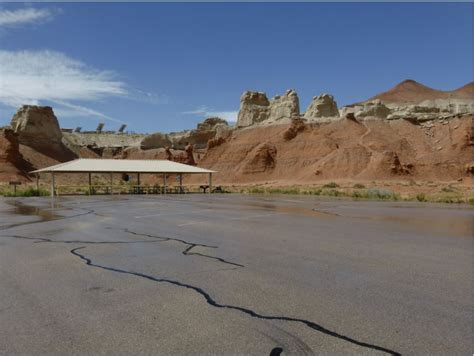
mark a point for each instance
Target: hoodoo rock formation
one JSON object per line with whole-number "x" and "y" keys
{"x": 322, "y": 106}
{"x": 36, "y": 126}
{"x": 254, "y": 108}
{"x": 284, "y": 107}
{"x": 40, "y": 136}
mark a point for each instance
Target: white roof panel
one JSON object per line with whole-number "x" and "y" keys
{"x": 123, "y": 166}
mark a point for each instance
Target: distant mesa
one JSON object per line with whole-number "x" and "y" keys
{"x": 410, "y": 91}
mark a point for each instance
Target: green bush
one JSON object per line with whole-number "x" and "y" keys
{"x": 359, "y": 186}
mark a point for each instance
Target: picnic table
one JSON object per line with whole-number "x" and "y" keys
{"x": 217, "y": 189}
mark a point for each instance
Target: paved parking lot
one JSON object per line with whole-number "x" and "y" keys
{"x": 234, "y": 274}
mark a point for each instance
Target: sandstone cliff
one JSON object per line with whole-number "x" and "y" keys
{"x": 13, "y": 167}
{"x": 346, "y": 149}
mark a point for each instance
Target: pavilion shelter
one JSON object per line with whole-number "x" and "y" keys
{"x": 123, "y": 166}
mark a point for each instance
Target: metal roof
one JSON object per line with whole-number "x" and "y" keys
{"x": 91, "y": 165}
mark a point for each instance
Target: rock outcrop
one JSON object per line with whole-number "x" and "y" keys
{"x": 214, "y": 142}
{"x": 155, "y": 140}
{"x": 284, "y": 106}
{"x": 12, "y": 165}
{"x": 211, "y": 123}
{"x": 254, "y": 108}
{"x": 297, "y": 125}
{"x": 199, "y": 137}
{"x": 9, "y": 147}
{"x": 373, "y": 109}
{"x": 322, "y": 106}
{"x": 36, "y": 126}
{"x": 261, "y": 159}
{"x": 205, "y": 131}
{"x": 344, "y": 149}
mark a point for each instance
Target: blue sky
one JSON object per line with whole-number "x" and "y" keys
{"x": 165, "y": 67}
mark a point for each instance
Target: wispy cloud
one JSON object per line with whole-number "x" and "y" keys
{"x": 35, "y": 77}
{"x": 230, "y": 116}
{"x": 30, "y": 77}
{"x": 73, "y": 110}
{"x": 24, "y": 16}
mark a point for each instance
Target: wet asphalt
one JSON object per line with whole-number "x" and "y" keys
{"x": 234, "y": 274}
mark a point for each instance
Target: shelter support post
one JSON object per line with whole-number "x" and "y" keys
{"x": 181, "y": 182}
{"x": 111, "y": 183}
{"x": 90, "y": 183}
{"x": 37, "y": 183}
{"x": 138, "y": 179}
{"x": 53, "y": 185}
{"x": 165, "y": 188}
{"x": 210, "y": 183}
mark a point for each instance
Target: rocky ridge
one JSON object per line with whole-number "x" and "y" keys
{"x": 408, "y": 131}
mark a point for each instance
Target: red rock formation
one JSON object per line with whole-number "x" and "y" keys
{"x": 12, "y": 165}
{"x": 297, "y": 125}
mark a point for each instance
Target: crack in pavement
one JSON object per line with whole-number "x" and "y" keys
{"x": 246, "y": 311}
{"x": 43, "y": 239}
{"x": 200, "y": 291}
{"x": 187, "y": 251}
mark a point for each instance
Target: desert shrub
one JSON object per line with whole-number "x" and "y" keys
{"x": 332, "y": 193}
{"x": 28, "y": 192}
{"x": 331, "y": 185}
{"x": 358, "y": 186}
{"x": 381, "y": 194}
{"x": 359, "y": 195}
{"x": 292, "y": 190}
{"x": 421, "y": 197}
{"x": 316, "y": 191}
{"x": 471, "y": 201}
{"x": 448, "y": 189}
{"x": 256, "y": 190}
{"x": 450, "y": 200}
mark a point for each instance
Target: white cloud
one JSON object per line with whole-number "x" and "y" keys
{"x": 36, "y": 77}
{"x": 24, "y": 16}
{"x": 79, "y": 110}
{"x": 29, "y": 77}
{"x": 46, "y": 75}
{"x": 230, "y": 116}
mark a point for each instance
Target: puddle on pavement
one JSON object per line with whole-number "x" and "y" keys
{"x": 452, "y": 225}
{"x": 19, "y": 208}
